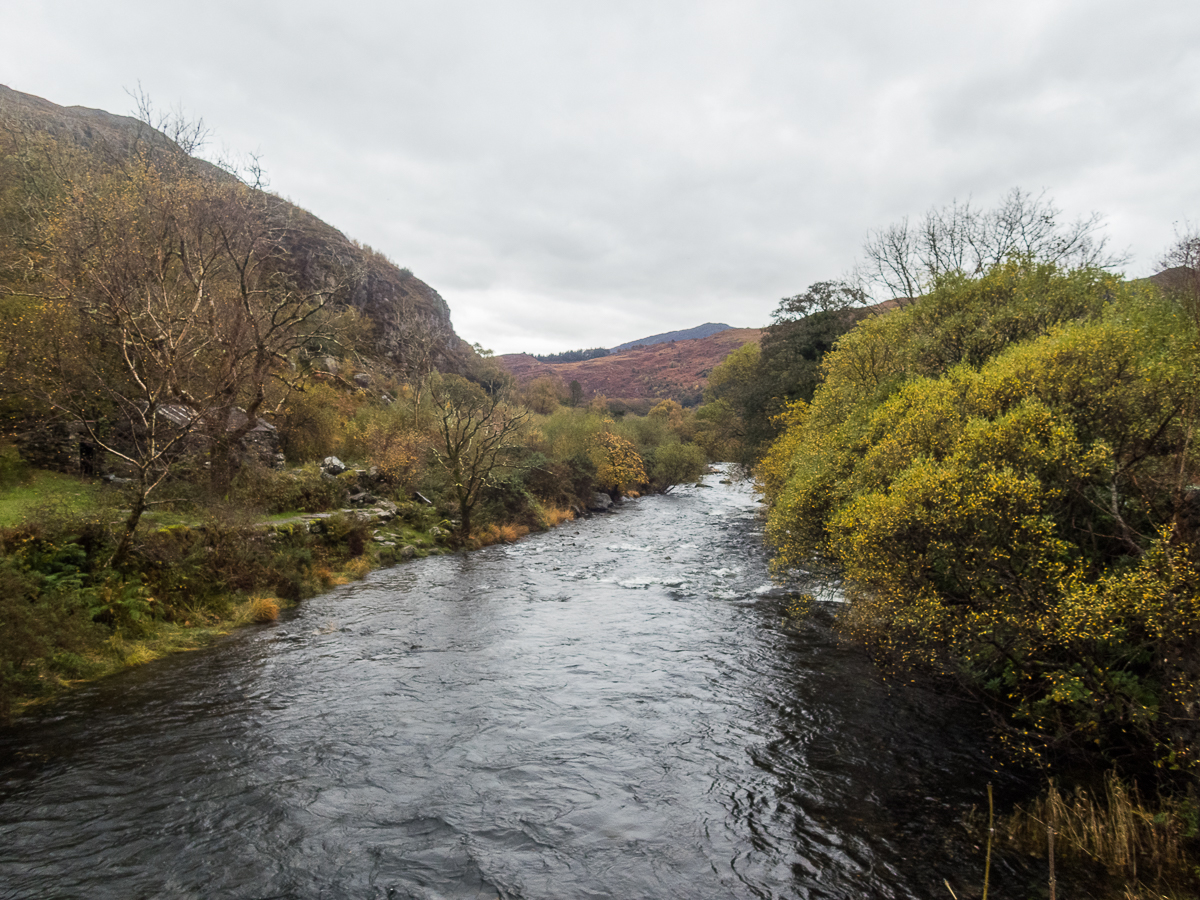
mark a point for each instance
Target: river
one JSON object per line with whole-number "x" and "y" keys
{"x": 619, "y": 708}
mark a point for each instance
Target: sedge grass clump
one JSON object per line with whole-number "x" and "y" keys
{"x": 555, "y": 516}
{"x": 483, "y": 537}
{"x": 257, "y": 610}
{"x": 1136, "y": 843}
{"x": 512, "y": 533}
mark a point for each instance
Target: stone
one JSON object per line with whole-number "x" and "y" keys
{"x": 331, "y": 465}
{"x": 363, "y": 380}
{"x": 600, "y": 503}
{"x": 408, "y": 551}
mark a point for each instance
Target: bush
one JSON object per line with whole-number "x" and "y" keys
{"x": 1001, "y": 471}
{"x": 312, "y": 423}
{"x": 303, "y": 489}
{"x": 676, "y": 463}
{"x": 38, "y": 618}
{"x": 509, "y": 500}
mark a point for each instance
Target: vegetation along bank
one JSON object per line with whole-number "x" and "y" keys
{"x": 1001, "y": 463}
{"x": 214, "y": 405}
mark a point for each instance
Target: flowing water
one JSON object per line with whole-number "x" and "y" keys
{"x": 619, "y": 708}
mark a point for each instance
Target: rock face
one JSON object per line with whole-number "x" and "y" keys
{"x": 411, "y": 322}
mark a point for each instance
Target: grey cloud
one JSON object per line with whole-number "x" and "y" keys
{"x": 572, "y": 175}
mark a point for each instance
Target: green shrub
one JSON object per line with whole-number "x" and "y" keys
{"x": 304, "y": 489}
{"x": 37, "y": 619}
{"x": 13, "y": 469}
{"x": 676, "y": 463}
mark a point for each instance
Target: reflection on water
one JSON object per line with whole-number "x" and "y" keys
{"x": 615, "y": 709}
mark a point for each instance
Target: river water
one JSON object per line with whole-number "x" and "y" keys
{"x": 619, "y": 708}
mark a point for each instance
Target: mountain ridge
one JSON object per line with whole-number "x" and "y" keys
{"x": 686, "y": 334}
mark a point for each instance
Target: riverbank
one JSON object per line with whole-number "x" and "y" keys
{"x": 70, "y": 621}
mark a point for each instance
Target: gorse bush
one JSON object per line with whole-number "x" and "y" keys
{"x": 1004, "y": 472}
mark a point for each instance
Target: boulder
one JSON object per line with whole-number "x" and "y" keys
{"x": 363, "y": 380}
{"x": 331, "y": 465}
{"x": 600, "y": 503}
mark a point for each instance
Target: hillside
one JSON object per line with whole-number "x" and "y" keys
{"x": 410, "y": 320}
{"x": 676, "y": 369}
{"x": 687, "y": 334}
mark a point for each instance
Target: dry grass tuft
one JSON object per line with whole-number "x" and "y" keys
{"x": 496, "y": 534}
{"x": 512, "y": 533}
{"x": 358, "y": 567}
{"x": 1120, "y": 832}
{"x": 555, "y": 516}
{"x": 136, "y": 654}
{"x": 257, "y": 609}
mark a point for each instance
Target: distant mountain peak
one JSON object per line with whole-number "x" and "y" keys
{"x": 688, "y": 334}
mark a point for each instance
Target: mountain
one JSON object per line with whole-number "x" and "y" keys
{"x": 700, "y": 331}
{"x": 677, "y": 369}
{"x": 410, "y": 321}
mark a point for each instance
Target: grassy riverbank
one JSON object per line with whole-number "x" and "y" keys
{"x": 88, "y": 587}
{"x": 69, "y": 618}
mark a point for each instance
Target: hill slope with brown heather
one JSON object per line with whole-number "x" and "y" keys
{"x": 677, "y": 370}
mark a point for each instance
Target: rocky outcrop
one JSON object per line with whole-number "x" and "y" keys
{"x": 410, "y": 320}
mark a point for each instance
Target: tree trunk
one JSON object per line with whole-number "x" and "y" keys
{"x": 131, "y": 524}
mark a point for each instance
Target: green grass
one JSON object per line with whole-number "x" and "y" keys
{"x": 48, "y": 490}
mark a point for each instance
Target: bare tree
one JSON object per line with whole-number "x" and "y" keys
{"x": 168, "y": 312}
{"x": 904, "y": 260}
{"x": 475, "y": 429}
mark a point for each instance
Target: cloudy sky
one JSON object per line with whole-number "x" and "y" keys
{"x": 575, "y": 175}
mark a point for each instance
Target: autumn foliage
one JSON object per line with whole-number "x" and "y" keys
{"x": 1005, "y": 471}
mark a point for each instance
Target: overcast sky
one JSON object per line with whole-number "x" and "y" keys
{"x": 576, "y": 175}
